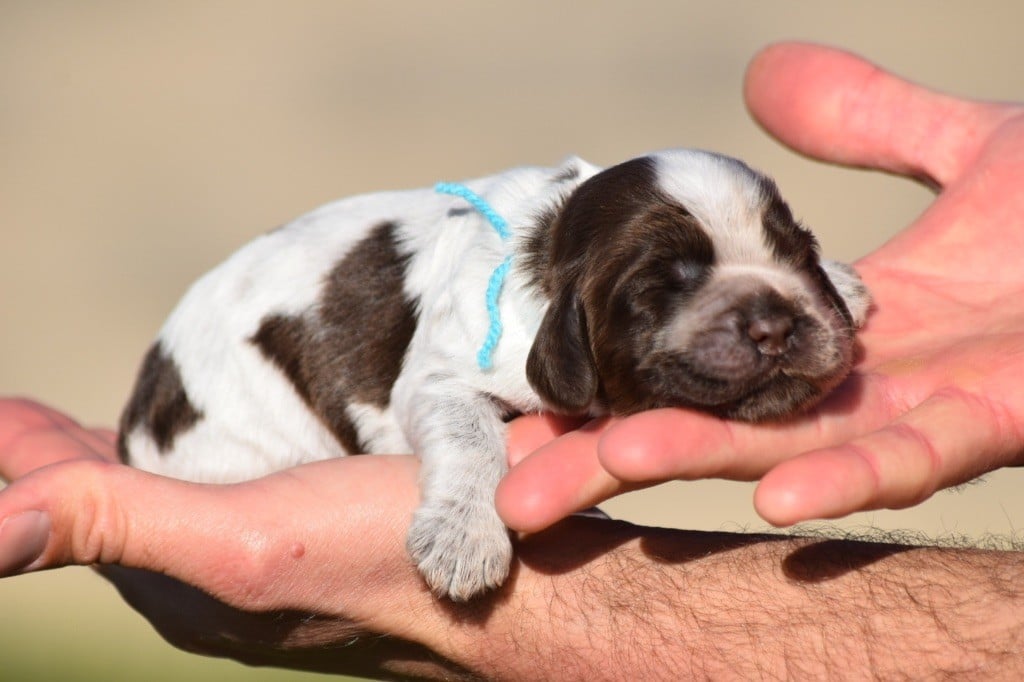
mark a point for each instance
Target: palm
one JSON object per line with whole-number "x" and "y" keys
{"x": 924, "y": 326}
{"x": 948, "y": 289}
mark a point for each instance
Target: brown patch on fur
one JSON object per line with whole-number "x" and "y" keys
{"x": 666, "y": 257}
{"x": 158, "y": 403}
{"x": 616, "y": 245}
{"x": 789, "y": 241}
{"x": 535, "y": 260}
{"x": 350, "y": 347}
{"x": 792, "y": 243}
{"x": 286, "y": 341}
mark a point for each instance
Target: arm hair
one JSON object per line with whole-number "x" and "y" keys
{"x": 596, "y": 600}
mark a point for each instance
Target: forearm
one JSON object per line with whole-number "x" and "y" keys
{"x": 587, "y": 599}
{"x": 599, "y": 600}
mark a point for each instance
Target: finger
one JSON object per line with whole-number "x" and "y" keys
{"x": 530, "y": 432}
{"x": 95, "y": 512}
{"x": 237, "y": 543}
{"x": 107, "y": 437}
{"x": 557, "y": 480}
{"x": 950, "y": 438}
{"x": 33, "y": 436}
{"x": 20, "y": 414}
{"x": 588, "y": 466}
{"x": 682, "y": 444}
{"x": 837, "y": 107}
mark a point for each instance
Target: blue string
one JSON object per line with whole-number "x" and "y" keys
{"x": 478, "y": 203}
{"x": 484, "y": 358}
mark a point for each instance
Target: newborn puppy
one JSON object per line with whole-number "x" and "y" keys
{"x": 675, "y": 279}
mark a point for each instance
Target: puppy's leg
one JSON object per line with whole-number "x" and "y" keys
{"x": 457, "y": 540}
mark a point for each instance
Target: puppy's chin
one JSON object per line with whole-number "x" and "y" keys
{"x": 778, "y": 399}
{"x": 725, "y": 371}
{"x": 771, "y": 395}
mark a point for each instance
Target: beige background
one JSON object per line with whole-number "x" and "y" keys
{"x": 140, "y": 143}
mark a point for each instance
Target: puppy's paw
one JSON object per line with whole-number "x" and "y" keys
{"x": 850, "y": 288}
{"x": 461, "y": 550}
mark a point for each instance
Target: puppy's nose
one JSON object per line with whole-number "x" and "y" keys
{"x": 770, "y": 331}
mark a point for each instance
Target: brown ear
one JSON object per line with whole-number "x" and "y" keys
{"x": 560, "y": 367}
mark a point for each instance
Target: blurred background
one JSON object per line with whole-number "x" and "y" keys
{"x": 140, "y": 143}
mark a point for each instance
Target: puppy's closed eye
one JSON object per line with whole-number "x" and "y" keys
{"x": 687, "y": 274}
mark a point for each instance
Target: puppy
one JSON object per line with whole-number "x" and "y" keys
{"x": 675, "y": 279}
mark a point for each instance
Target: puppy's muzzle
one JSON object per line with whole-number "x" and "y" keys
{"x": 743, "y": 352}
{"x": 750, "y": 338}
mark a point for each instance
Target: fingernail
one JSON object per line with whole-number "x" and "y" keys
{"x": 23, "y": 538}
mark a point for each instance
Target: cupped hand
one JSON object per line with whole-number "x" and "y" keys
{"x": 306, "y": 568}
{"x": 934, "y": 399}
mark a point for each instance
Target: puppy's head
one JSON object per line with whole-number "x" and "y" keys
{"x": 682, "y": 279}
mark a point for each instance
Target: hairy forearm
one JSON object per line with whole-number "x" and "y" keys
{"x": 587, "y": 599}
{"x": 604, "y": 600}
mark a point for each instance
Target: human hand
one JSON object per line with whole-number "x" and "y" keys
{"x": 304, "y": 569}
{"x": 933, "y": 400}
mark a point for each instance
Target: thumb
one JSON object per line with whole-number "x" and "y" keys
{"x": 88, "y": 511}
{"x": 835, "y": 106}
{"x": 530, "y": 432}
{"x": 238, "y": 543}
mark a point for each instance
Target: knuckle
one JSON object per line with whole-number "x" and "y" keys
{"x": 925, "y": 479}
{"x": 98, "y": 529}
{"x": 869, "y": 461}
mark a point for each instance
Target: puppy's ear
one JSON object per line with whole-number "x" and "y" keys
{"x": 850, "y": 288}
{"x": 560, "y": 367}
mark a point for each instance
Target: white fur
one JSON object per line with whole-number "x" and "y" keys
{"x": 719, "y": 192}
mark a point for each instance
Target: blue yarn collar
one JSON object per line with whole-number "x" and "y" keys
{"x": 485, "y": 356}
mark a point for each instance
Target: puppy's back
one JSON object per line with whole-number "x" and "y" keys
{"x": 235, "y": 385}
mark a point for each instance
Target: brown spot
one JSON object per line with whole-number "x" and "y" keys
{"x": 535, "y": 258}
{"x": 789, "y": 241}
{"x": 158, "y": 403}
{"x": 350, "y": 346}
{"x": 795, "y": 245}
{"x": 535, "y": 261}
{"x": 459, "y": 211}
{"x": 614, "y": 258}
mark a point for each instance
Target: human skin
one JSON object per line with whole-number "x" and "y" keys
{"x": 934, "y": 398}
{"x": 277, "y": 572}
{"x": 306, "y": 568}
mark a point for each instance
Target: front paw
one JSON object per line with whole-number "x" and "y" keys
{"x": 461, "y": 550}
